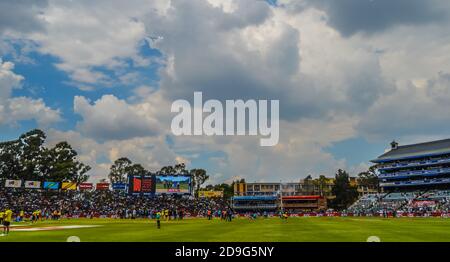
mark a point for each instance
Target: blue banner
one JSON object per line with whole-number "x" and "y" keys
{"x": 51, "y": 185}
{"x": 119, "y": 186}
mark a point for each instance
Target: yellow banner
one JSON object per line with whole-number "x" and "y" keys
{"x": 69, "y": 186}
{"x": 210, "y": 194}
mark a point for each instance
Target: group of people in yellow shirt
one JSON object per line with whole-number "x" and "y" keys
{"x": 5, "y": 220}
{"x": 165, "y": 214}
{"x": 35, "y": 216}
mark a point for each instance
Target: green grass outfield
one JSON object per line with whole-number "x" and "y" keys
{"x": 305, "y": 229}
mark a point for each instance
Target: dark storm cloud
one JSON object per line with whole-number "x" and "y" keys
{"x": 424, "y": 114}
{"x": 204, "y": 60}
{"x": 21, "y": 15}
{"x": 372, "y": 16}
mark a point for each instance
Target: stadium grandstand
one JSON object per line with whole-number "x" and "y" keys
{"x": 104, "y": 204}
{"x": 292, "y": 197}
{"x": 415, "y": 180}
{"x": 295, "y": 204}
{"x": 418, "y": 166}
{"x": 255, "y": 203}
{"x": 291, "y": 204}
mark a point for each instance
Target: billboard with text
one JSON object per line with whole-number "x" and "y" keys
{"x": 86, "y": 186}
{"x": 210, "y": 194}
{"x": 119, "y": 186}
{"x": 102, "y": 186}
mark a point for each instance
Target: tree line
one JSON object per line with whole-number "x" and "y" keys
{"x": 345, "y": 192}
{"x": 28, "y": 158}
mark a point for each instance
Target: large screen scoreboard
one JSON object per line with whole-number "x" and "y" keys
{"x": 144, "y": 185}
{"x": 159, "y": 184}
{"x": 173, "y": 184}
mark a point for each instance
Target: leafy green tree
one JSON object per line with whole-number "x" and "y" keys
{"x": 181, "y": 169}
{"x": 32, "y": 154}
{"x": 309, "y": 185}
{"x": 166, "y": 170}
{"x": 27, "y": 158}
{"x": 137, "y": 169}
{"x": 122, "y": 168}
{"x": 228, "y": 191}
{"x": 178, "y": 169}
{"x": 345, "y": 193}
{"x": 199, "y": 177}
{"x": 63, "y": 165}
{"x": 10, "y": 166}
{"x": 369, "y": 179}
{"x": 321, "y": 184}
{"x": 119, "y": 170}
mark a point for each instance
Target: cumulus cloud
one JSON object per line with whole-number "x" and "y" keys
{"x": 86, "y": 36}
{"x": 341, "y": 69}
{"x": 272, "y": 55}
{"x": 301, "y": 151}
{"x": 16, "y": 109}
{"x": 8, "y": 80}
{"x": 110, "y": 118}
{"x": 311, "y": 65}
{"x": 325, "y": 80}
{"x": 151, "y": 152}
{"x": 25, "y": 108}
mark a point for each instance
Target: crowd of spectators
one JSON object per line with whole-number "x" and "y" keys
{"x": 418, "y": 203}
{"x": 104, "y": 204}
{"x": 118, "y": 204}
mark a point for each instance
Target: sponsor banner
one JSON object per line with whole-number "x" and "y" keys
{"x": 13, "y": 183}
{"x": 51, "y": 185}
{"x": 69, "y": 186}
{"x": 119, "y": 186}
{"x": 86, "y": 186}
{"x": 210, "y": 194}
{"x": 102, "y": 186}
{"x": 33, "y": 184}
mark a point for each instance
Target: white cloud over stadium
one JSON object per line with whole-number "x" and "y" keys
{"x": 337, "y": 78}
